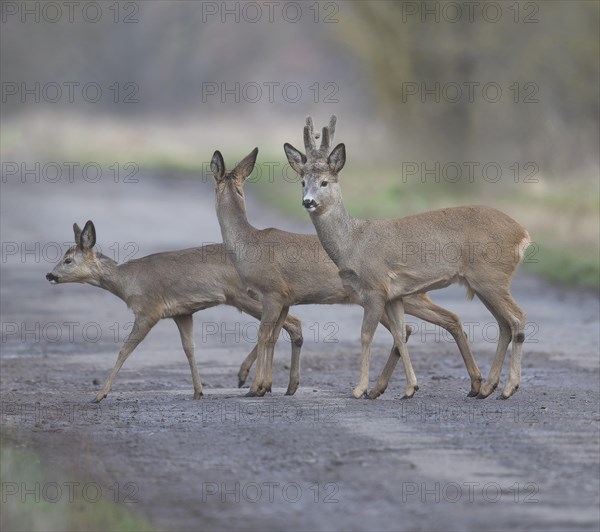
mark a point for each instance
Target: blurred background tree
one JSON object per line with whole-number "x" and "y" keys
{"x": 554, "y": 46}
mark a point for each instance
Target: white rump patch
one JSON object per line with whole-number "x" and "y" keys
{"x": 522, "y": 246}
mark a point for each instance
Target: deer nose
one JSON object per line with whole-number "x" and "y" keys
{"x": 309, "y": 203}
{"x": 51, "y": 277}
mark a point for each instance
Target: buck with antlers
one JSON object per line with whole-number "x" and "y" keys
{"x": 174, "y": 284}
{"x": 282, "y": 269}
{"x": 383, "y": 263}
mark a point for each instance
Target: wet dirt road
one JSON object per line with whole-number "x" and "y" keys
{"x": 319, "y": 460}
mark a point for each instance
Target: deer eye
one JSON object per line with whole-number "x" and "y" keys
{"x": 303, "y": 183}
{"x": 323, "y": 183}
{"x": 68, "y": 261}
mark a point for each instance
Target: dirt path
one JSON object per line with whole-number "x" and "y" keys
{"x": 319, "y": 460}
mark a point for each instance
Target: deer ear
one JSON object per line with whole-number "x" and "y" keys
{"x": 246, "y": 165}
{"x": 337, "y": 158}
{"x": 217, "y": 166}
{"x": 296, "y": 158}
{"x": 88, "y": 236}
{"x": 77, "y": 232}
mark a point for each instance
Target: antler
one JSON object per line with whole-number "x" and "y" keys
{"x": 310, "y": 138}
{"x": 328, "y": 133}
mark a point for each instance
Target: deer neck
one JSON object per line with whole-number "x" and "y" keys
{"x": 108, "y": 277}
{"x": 235, "y": 227}
{"x": 335, "y": 229}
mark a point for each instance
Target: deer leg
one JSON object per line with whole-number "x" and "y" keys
{"x": 384, "y": 378}
{"x": 271, "y": 346}
{"x": 141, "y": 327}
{"x": 253, "y": 309}
{"x": 516, "y": 354}
{"x": 511, "y": 321}
{"x": 271, "y": 311}
{"x": 517, "y": 327}
{"x": 246, "y": 365}
{"x": 293, "y": 326}
{"x": 395, "y": 313}
{"x": 422, "y": 307}
{"x": 373, "y": 310}
{"x": 496, "y": 370}
{"x": 185, "y": 324}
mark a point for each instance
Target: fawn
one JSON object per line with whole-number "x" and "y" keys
{"x": 173, "y": 284}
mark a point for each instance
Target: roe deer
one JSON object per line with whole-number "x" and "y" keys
{"x": 384, "y": 263}
{"x": 284, "y": 269}
{"x": 174, "y": 284}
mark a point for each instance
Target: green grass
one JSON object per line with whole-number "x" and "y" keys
{"x": 557, "y": 266}
{"x": 22, "y": 469}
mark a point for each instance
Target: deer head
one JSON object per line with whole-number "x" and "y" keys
{"x": 232, "y": 181}
{"x": 318, "y": 169}
{"x": 78, "y": 263}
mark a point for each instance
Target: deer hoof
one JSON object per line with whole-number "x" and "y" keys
{"x": 475, "y": 388}
{"x": 291, "y": 390}
{"x": 486, "y": 390}
{"x": 410, "y": 391}
{"x": 375, "y": 393}
{"x": 359, "y": 392}
{"x": 508, "y": 391}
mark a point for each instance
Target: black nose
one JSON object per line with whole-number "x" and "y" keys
{"x": 308, "y": 203}
{"x": 51, "y": 277}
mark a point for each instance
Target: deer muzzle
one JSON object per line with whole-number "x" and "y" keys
{"x": 309, "y": 204}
